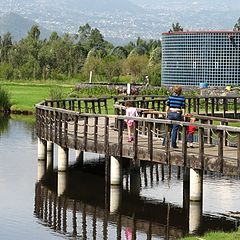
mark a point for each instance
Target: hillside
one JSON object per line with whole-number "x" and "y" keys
{"x": 18, "y": 26}
{"x": 125, "y": 20}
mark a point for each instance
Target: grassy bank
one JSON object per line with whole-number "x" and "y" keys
{"x": 25, "y": 95}
{"x": 217, "y": 236}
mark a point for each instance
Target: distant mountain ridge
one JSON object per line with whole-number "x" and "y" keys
{"x": 86, "y": 5}
{"x": 120, "y": 21}
{"x": 19, "y": 26}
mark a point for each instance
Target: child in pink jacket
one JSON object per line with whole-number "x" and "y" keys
{"x": 130, "y": 112}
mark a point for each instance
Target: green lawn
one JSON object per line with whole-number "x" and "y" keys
{"x": 217, "y": 236}
{"x": 25, "y": 95}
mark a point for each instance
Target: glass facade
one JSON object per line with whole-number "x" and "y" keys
{"x": 191, "y": 58}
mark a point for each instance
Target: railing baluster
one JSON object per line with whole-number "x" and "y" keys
{"x": 206, "y": 106}
{"x": 184, "y": 146}
{"x": 167, "y": 143}
{"x": 238, "y": 153}
{"x": 235, "y": 107}
{"x": 75, "y": 131}
{"x": 201, "y": 147}
{"x": 106, "y": 134}
{"x": 220, "y": 149}
{"x": 85, "y": 132}
{"x": 95, "y": 133}
{"x": 150, "y": 141}
{"x": 65, "y": 129}
{"x": 120, "y": 136}
{"x": 59, "y": 128}
{"x": 213, "y": 106}
{"x": 135, "y": 142}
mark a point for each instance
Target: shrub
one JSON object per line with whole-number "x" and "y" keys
{"x": 5, "y": 101}
{"x": 6, "y": 71}
{"x": 161, "y": 91}
{"x": 56, "y": 92}
{"x": 93, "y": 91}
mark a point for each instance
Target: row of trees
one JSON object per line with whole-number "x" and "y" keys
{"x": 74, "y": 56}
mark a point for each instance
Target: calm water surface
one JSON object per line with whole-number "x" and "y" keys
{"x": 31, "y": 210}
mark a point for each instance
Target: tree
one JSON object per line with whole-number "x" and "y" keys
{"x": 155, "y": 57}
{"x": 237, "y": 26}
{"x": 119, "y": 52}
{"x": 176, "y": 27}
{"x": 5, "y": 47}
{"x": 136, "y": 66}
{"x": 90, "y": 37}
{"x": 112, "y": 67}
{"x": 139, "y": 51}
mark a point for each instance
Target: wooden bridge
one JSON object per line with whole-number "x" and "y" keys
{"x": 92, "y": 125}
{"x": 86, "y": 125}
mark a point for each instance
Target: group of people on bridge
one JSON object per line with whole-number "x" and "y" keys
{"x": 175, "y": 111}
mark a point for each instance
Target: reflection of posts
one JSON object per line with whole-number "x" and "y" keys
{"x": 128, "y": 233}
{"x": 62, "y": 168}
{"x": 115, "y": 195}
{"x": 42, "y": 149}
{"x": 62, "y": 158}
{"x": 79, "y": 157}
{"x": 135, "y": 183}
{"x": 49, "y": 156}
{"x": 195, "y": 214}
{"x": 41, "y": 169}
{"x": 62, "y": 182}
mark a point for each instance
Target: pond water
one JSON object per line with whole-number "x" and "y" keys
{"x": 149, "y": 207}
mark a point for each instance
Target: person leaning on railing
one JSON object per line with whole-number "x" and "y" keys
{"x": 175, "y": 111}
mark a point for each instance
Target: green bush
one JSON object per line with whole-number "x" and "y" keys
{"x": 5, "y": 101}
{"x": 161, "y": 91}
{"x": 6, "y": 71}
{"x": 93, "y": 91}
{"x": 56, "y": 92}
{"x": 154, "y": 74}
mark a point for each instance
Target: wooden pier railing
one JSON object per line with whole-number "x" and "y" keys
{"x": 85, "y": 124}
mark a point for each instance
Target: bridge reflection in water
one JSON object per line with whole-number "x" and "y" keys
{"x": 80, "y": 204}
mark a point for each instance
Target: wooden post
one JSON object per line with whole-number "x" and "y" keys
{"x": 135, "y": 160}
{"x": 59, "y": 139}
{"x": 65, "y": 129}
{"x": 201, "y": 146}
{"x": 150, "y": 141}
{"x": 167, "y": 143}
{"x": 184, "y": 146}
{"x": 75, "y": 132}
{"x": 198, "y": 106}
{"x": 106, "y": 136}
{"x": 238, "y": 152}
{"x": 189, "y": 105}
{"x": 95, "y": 133}
{"x": 213, "y": 106}
{"x": 85, "y": 132}
{"x": 220, "y": 149}
{"x": 209, "y": 133}
{"x": 235, "y": 107}
{"x": 224, "y": 107}
{"x": 206, "y": 106}
{"x": 120, "y": 136}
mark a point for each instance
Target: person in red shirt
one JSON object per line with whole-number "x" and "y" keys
{"x": 190, "y": 131}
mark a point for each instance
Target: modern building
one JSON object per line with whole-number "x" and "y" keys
{"x": 191, "y": 58}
